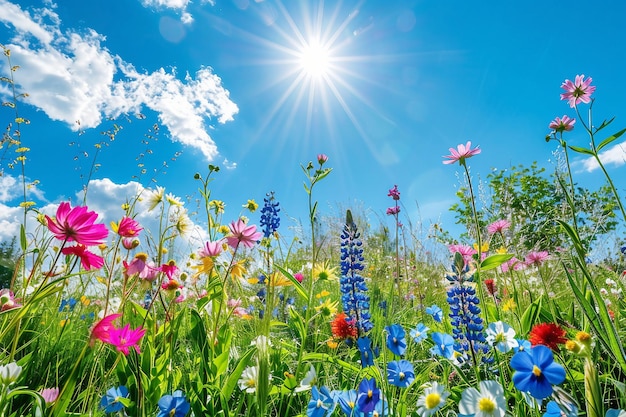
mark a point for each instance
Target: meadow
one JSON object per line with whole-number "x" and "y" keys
{"x": 115, "y": 319}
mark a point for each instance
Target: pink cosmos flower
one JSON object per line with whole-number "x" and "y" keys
{"x": 498, "y": 226}
{"x": 322, "y": 158}
{"x": 240, "y": 233}
{"x": 461, "y": 153}
{"x": 50, "y": 395}
{"x": 512, "y": 264}
{"x": 126, "y": 338}
{"x": 88, "y": 260}
{"x": 536, "y": 258}
{"x": 211, "y": 249}
{"x": 394, "y": 193}
{"x": 392, "y": 211}
{"x": 562, "y": 125}
{"x": 127, "y": 227}
{"x": 77, "y": 225}
{"x": 578, "y": 91}
{"x": 101, "y": 330}
{"x": 466, "y": 251}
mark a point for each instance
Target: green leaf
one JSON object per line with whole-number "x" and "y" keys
{"x": 299, "y": 288}
{"x": 610, "y": 139}
{"x": 234, "y": 376}
{"x": 494, "y": 261}
{"x": 530, "y": 315}
{"x": 605, "y": 124}
{"x": 581, "y": 150}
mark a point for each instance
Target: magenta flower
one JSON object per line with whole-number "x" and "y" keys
{"x": 322, "y": 158}
{"x": 127, "y": 227}
{"x": 130, "y": 243}
{"x": 498, "y": 226}
{"x": 126, "y": 338}
{"x": 169, "y": 269}
{"x": 466, "y": 251}
{"x": 536, "y": 258}
{"x": 299, "y": 276}
{"x": 50, "y": 395}
{"x": 211, "y": 249}
{"x": 392, "y": 211}
{"x": 461, "y": 153}
{"x": 394, "y": 193}
{"x": 8, "y": 300}
{"x": 77, "y": 225}
{"x": 240, "y": 233}
{"x": 562, "y": 125}
{"x": 88, "y": 260}
{"x": 137, "y": 265}
{"x": 101, "y": 330}
{"x": 578, "y": 91}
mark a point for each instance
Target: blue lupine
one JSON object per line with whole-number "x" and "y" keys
{"x": 354, "y": 296}
{"x": 270, "y": 221}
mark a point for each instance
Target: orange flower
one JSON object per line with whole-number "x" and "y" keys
{"x": 343, "y": 327}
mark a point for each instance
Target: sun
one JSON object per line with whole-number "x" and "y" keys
{"x": 314, "y": 59}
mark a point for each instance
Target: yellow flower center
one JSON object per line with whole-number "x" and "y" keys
{"x": 401, "y": 375}
{"x": 432, "y": 400}
{"x": 487, "y": 405}
{"x": 369, "y": 393}
{"x": 536, "y": 371}
{"x": 500, "y": 337}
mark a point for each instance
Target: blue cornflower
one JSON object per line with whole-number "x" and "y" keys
{"x": 522, "y": 345}
{"x": 70, "y": 303}
{"x": 354, "y": 298}
{"x": 419, "y": 333}
{"x": 347, "y": 402}
{"x": 112, "y": 401}
{"x": 396, "y": 339}
{"x": 270, "y": 221}
{"x": 400, "y": 373}
{"x": 536, "y": 371}
{"x": 321, "y": 402}
{"x": 365, "y": 348}
{"x": 444, "y": 345}
{"x": 436, "y": 312}
{"x": 175, "y": 405}
{"x": 368, "y": 395}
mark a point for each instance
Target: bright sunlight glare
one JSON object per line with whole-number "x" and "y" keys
{"x": 314, "y": 59}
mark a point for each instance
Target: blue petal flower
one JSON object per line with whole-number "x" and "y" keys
{"x": 536, "y": 371}
{"x": 368, "y": 395}
{"x": 174, "y": 405}
{"x": 111, "y": 400}
{"x": 400, "y": 373}
{"x": 396, "y": 339}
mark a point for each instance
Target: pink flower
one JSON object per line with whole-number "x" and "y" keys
{"x": 125, "y": 338}
{"x": 77, "y": 225}
{"x": 88, "y": 260}
{"x": 512, "y": 264}
{"x": 578, "y": 91}
{"x": 240, "y": 233}
{"x": 394, "y": 193}
{"x": 169, "y": 269}
{"x": 461, "y": 153}
{"x": 322, "y": 158}
{"x": 392, "y": 211}
{"x": 562, "y": 125}
{"x": 50, "y": 395}
{"x": 8, "y": 300}
{"x": 466, "y": 251}
{"x": 130, "y": 243}
{"x": 299, "y": 276}
{"x": 211, "y": 249}
{"x": 498, "y": 226}
{"x": 101, "y": 330}
{"x": 536, "y": 258}
{"x": 233, "y": 303}
{"x": 137, "y": 265}
{"x": 127, "y": 228}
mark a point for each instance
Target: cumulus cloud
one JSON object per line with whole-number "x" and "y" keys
{"x": 72, "y": 77}
{"x": 180, "y": 6}
{"x": 615, "y": 155}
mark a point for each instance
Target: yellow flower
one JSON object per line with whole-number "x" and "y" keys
{"x": 327, "y": 308}
{"x": 277, "y": 279}
{"x": 509, "y": 305}
{"x": 206, "y": 267}
{"x": 322, "y": 294}
{"x": 86, "y": 301}
{"x": 63, "y": 322}
{"x": 223, "y": 229}
{"x": 323, "y": 271}
{"x": 331, "y": 343}
{"x": 218, "y": 206}
{"x": 484, "y": 247}
{"x": 502, "y": 250}
{"x": 251, "y": 205}
{"x": 238, "y": 270}
{"x": 27, "y": 204}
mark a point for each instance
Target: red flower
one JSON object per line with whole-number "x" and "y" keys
{"x": 77, "y": 225}
{"x": 343, "y": 327}
{"x": 491, "y": 286}
{"x": 547, "y": 334}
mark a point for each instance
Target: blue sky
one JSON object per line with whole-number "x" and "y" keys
{"x": 391, "y": 86}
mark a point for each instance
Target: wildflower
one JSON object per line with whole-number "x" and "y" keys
{"x": 113, "y": 400}
{"x": 432, "y": 400}
{"x": 522, "y": 345}
{"x": 175, "y": 405}
{"x": 322, "y": 158}
{"x": 512, "y": 264}
{"x": 8, "y": 300}
{"x": 127, "y": 227}
{"x": 565, "y": 124}
{"x": 50, "y": 395}
{"x": 169, "y": 269}
{"x": 309, "y": 380}
{"x": 324, "y": 272}
{"x": 77, "y": 225}
{"x": 509, "y": 305}
{"x": 396, "y": 339}
{"x": 321, "y": 403}
{"x": 347, "y": 402}
{"x": 9, "y": 373}
{"x": 614, "y": 412}
{"x": 251, "y": 205}
{"x": 498, "y": 226}
{"x": 101, "y": 330}
{"x": 392, "y": 211}
{"x": 501, "y": 336}
{"x": 327, "y": 308}
{"x": 536, "y": 371}
{"x": 299, "y": 276}
{"x": 419, "y": 333}
{"x": 155, "y": 197}
{"x": 488, "y": 401}
{"x": 436, "y": 312}
{"x": 88, "y": 260}
{"x": 130, "y": 243}
{"x": 173, "y": 200}
{"x": 342, "y": 327}
{"x": 394, "y": 193}
{"x": 125, "y": 338}
{"x": 354, "y": 298}
{"x": 400, "y": 373}
{"x": 249, "y": 379}
{"x": 547, "y": 334}
{"x": 240, "y": 233}
{"x": 536, "y": 258}
{"x": 491, "y": 286}
{"x": 444, "y": 345}
{"x": 578, "y": 91}
{"x": 365, "y": 349}
{"x": 270, "y": 220}
{"x": 461, "y": 153}
{"x": 467, "y": 252}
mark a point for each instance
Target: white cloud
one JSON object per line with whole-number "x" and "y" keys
{"x": 615, "y": 155}
{"x": 12, "y": 188}
{"x": 179, "y": 6}
{"x": 72, "y": 77}
{"x": 10, "y": 220}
